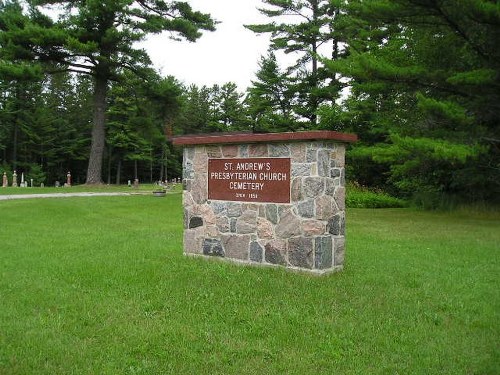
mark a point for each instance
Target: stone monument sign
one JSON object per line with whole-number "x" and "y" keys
{"x": 269, "y": 199}
{"x": 249, "y": 179}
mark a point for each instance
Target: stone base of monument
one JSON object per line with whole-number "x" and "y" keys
{"x": 266, "y": 199}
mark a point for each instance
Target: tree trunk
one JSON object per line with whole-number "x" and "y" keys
{"x": 151, "y": 166}
{"x": 118, "y": 171}
{"x": 162, "y": 162}
{"x": 14, "y": 146}
{"x": 314, "y": 98}
{"x": 109, "y": 165}
{"x": 94, "y": 169}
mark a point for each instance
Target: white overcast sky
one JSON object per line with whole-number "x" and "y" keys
{"x": 229, "y": 54}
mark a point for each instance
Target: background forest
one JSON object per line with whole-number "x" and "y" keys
{"x": 417, "y": 80}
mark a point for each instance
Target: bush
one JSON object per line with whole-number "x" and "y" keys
{"x": 37, "y": 174}
{"x": 362, "y": 197}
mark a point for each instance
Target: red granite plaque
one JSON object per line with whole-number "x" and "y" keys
{"x": 249, "y": 180}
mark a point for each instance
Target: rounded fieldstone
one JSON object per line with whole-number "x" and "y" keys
{"x": 243, "y": 149}
{"x": 296, "y": 189}
{"x": 193, "y": 241}
{"x": 301, "y": 169}
{"x": 300, "y": 252}
{"x": 256, "y": 150}
{"x": 235, "y": 246}
{"x": 330, "y": 186}
{"x": 232, "y": 225}
{"x": 187, "y": 170}
{"x": 188, "y": 153}
{"x": 279, "y": 150}
{"x": 212, "y": 247}
{"x": 219, "y": 207}
{"x": 298, "y": 152}
{"x": 313, "y": 227}
{"x": 247, "y": 222}
{"x": 311, "y": 155}
{"x": 338, "y": 251}
{"x": 199, "y": 189}
{"x": 223, "y": 224}
{"x": 256, "y": 252}
{"x": 214, "y": 152}
{"x": 324, "y": 207}
{"x": 336, "y": 225}
{"x": 288, "y": 226}
{"x": 323, "y": 163}
{"x": 230, "y": 151}
{"x": 323, "y": 252}
{"x": 335, "y": 172}
{"x": 306, "y": 208}
{"x": 195, "y": 222}
{"x": 187, "y": 184}
{"x": 264, "y": 228}
{"x": 207, "y": 213}
{"x": 313, "y": 186}
{"x": 272, "y": 213}
{"x": 340, "y": 197}
{"x": 275, "y": 252}
{"x": 234, "y": 209}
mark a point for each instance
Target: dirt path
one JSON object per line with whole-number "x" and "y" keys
{"x": 59, "y": 195}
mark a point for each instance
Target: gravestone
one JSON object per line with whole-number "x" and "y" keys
{"x": 68, "y": 180}
{"x": 14, "y": 179}
{"x": 5, "y": 181}
{"x": 266, "y": 199}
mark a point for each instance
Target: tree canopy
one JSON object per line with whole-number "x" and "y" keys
{"x": 425, "y": 94}
{"x": 417, "y": 80}
{"x": 97, "y": 38}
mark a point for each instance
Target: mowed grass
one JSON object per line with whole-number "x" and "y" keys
{"x": 100, "y": 286}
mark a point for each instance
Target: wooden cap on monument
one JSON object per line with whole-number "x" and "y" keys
{"x": 221, "y": 138}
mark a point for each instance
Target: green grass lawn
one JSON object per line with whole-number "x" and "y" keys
{"x": 100, "y": 286}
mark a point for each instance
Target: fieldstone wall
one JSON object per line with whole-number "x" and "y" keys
{"x": 307, "y": 233}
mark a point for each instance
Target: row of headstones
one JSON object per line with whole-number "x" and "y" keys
{"x": 5, "y": 181}
{"x": 165, "y": 184}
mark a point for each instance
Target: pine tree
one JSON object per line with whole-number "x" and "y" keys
{"x": 97, "y": 38}
{"x": 307, "y": 26}
{"x": 426, "y": 86}
{"x": 270, "y": 99}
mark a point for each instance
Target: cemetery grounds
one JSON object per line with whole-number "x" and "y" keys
{"x": 99, "y": 285}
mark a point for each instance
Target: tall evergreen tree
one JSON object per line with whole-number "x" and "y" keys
{"x": 229, "y": 114}
{"x": 212, "y": 109}
{"x": 97, "y": 38}
{"x": 270, "y": 98}
{"x": 306, "y": 26}
{"x": 426, "y": 83}
{"x": 195, "y": 111}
